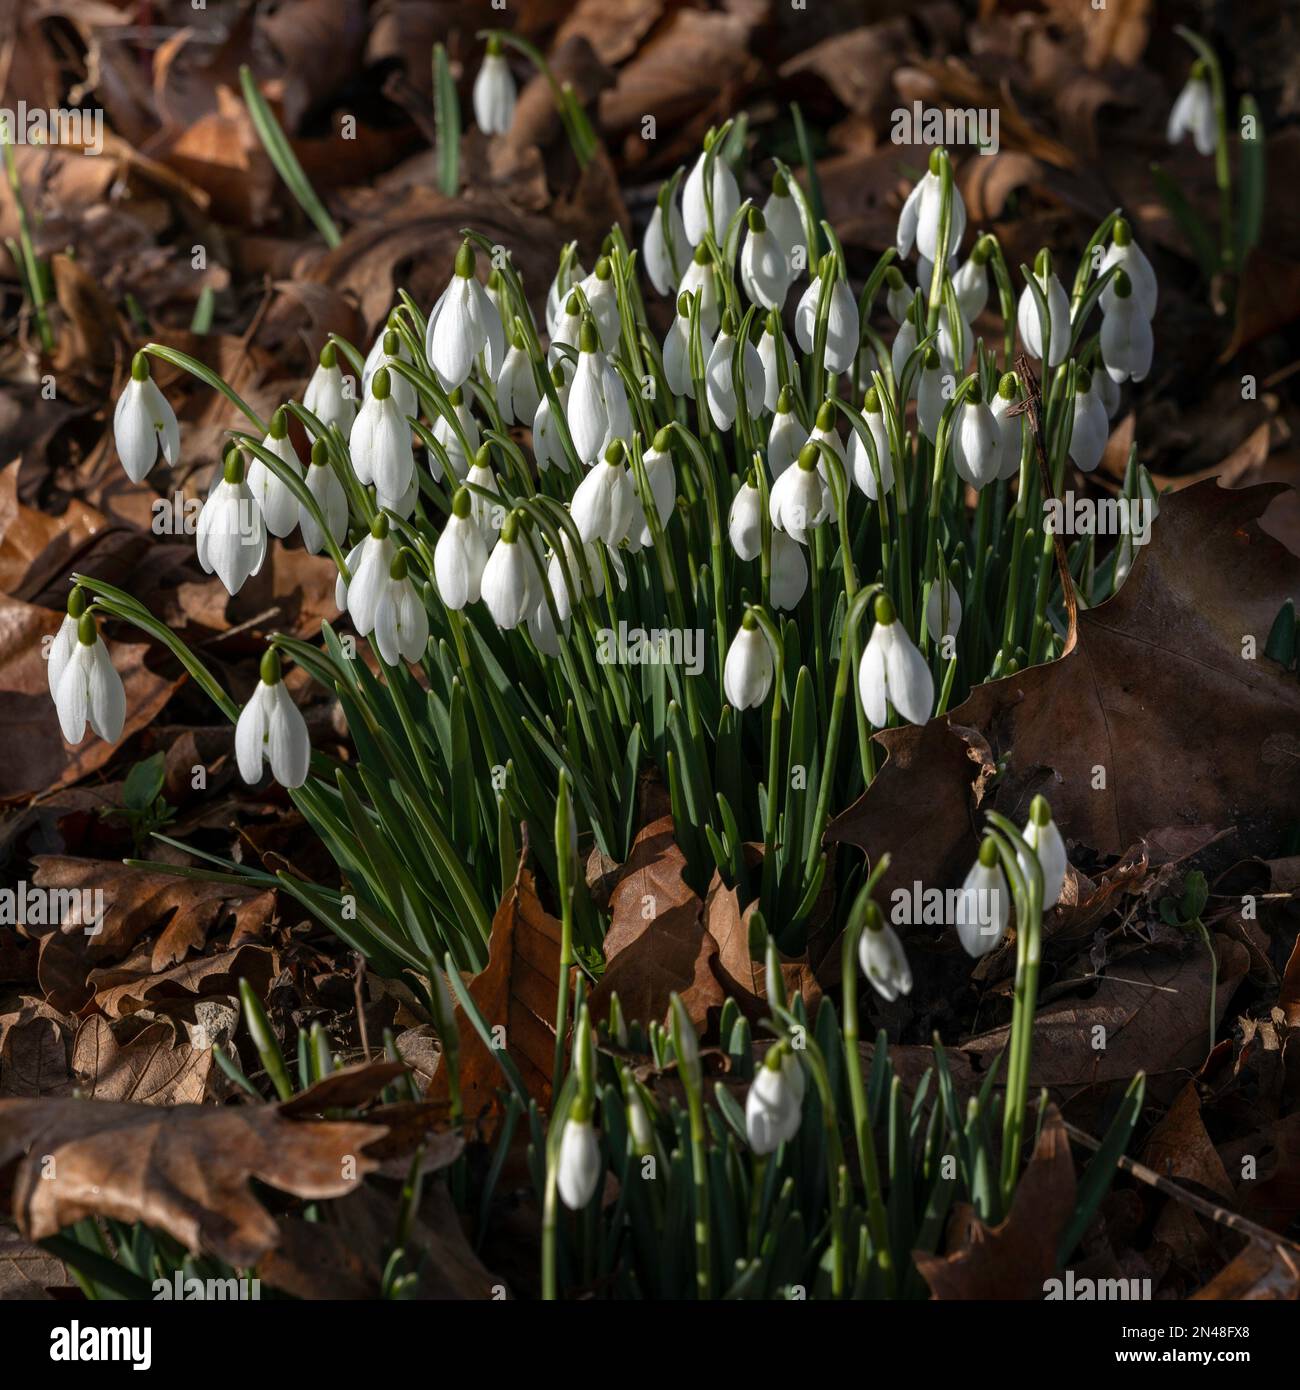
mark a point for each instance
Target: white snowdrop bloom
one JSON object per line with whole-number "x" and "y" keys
{"x": 379, "y": 355}
{"x": 89, "y": 690}
{"x": 745, "y": 522}
{"x": 666, "y": 257}
{"x": 773, "y": 342}
{"x": 400, "y": 622}
{"x": 279, "y": 506}
{"x": 905, "y": 341}
{"x": 588, "y": 409}
{"x": 324, "y": 486}
{"x": 918, "y": 223}
{"x": 511, "y": 584}
{"x": 603, "y": 303}
{"x": 786, "y": 437}
{"x": 976, "y": 441}
{"x": 725, "y": 197}
{"x": 329, "y": 396}
{"x": 700, "y": 276}
{"x": 718, "y": 384}
{"x": 1058, "y": 308}
{"x": 517, "y": 396}
{"x": 1193, "y": 112}
{"x": 1043, "y": 837}
{"x": 271, "y": 729}
{"x": 955, "y": 341}
{"x": 568, "y": 274}
{"x": 542, "y": 629}
{"x": 464, "y": 323}
{"x": 446, "y": 433}
{"x": 1127, "y": 343}
{"x": 970, "y": 285}
{"x": 616, "y": 405}
{"x": 144, "y": 424}
{"x": 568, "y": 591}
{"x": 380, "y": 443}
{"x": 764, "y": 271}
{"x": 748, "y": 670}
{"x": 546, "y": 444}
{"x": 460, "y": 555}
{"x": 859, "y": 455}
{"x": 482, "y": 476}
{"x": 898, "y": 298}
{"x": 579, "y": 1167}
{"x": 1011, "y": 428}
{"x": 882, "y": 958}
{"x": 941, "y": 594}
{"x": 1091, "y": 428}
{"x": 789, "y": 572}
{"x": 781, "y": 213}
{"x": 930, "y": 397}
{"x": 894, "y": 671}
{"x": 662, "y": 477}
{"x": 401, "y": 390}
{"x": 1131, "y": 259}
{"x": 824, "y": 432}
{"x": 774, "y": 1105}
{"x": 231, "y": 536}
{"x": 65, "y": 640}
{"x": 371, "y": 555}
{"x": 677, "y": 351}
{"x": 568, "y": 328}
{"x": 983, "y": 908}
{"x": 1109, "y": 392}
{"x": 842, "y": 325}
{"x": 799, "y": 499}
{"x": 494, "y": 92}
{"x": 602, "y": 504}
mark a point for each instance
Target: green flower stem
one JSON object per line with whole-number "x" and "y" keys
{"x": 33, "y": 271}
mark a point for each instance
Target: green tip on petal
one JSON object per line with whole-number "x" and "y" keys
{"x": 76, "y": 601}
{"x": 728, "y": 324}
{"x": 983, "y": 252}
{"x": 392, "y": 343}
{"x": 456, "y": 398}
{"x": 462, "y": 503}
{"x": 603, "y": 268}
{"x": 988, "y": 851}
{"x": 614, "y": 454}
{"x": 1011, "y": 667}
{"x": 1040, "y": 812}
{"x": 573, "y": 306}
{"x": 140, "y": 367}
{"x": 588, "y": 339}
{"x": 271, "y": 667}
{"x": 749, "y": 622}
{"x": 381, "y": 386}
{"x": 931, "y": 359}
{"x": 808, "y": 457}
{"x": 87, "y": 632}
{"x": 826, "y": 416}
{"x": 510, "y": 528}
{"x": 320, "y": 454}
{"x": 329, "y": 356}
{"x": 233, "y": 469}
{"x": 1008, "y": 386}
{"x": 279, "y": 424}
{"x": 494, "y": 45}
{"x": 379, "y": 526}
{"x": 1122, "y": 284}
{"x": 757, "y": 222}
{"x": 465, "y": 260}
{"x": 701, "y": 256}
{"x": 1123, "y": 233}
{"x": 1083, "y": 382}
{"x": 772, "y": 322}
{"x": 557, "y": 376}
{"x": 780, "y": 187}
{"x": 519, "y": 340}
{"x": 1200, "y": 70}
{"x": 483, "y": 456}
{"x": 936, "y": 162}
{"x": 663, "y": 440}
{"x": 1043, "y": 264}
{"x": 975, "y": 396}
{"x": 894, "y": 278}
{"x": 784, "y": 401}
{"x": 884, "y": 609}
{"x": 397, "y": 570}
{"x": 872, "y": 917}
{"x": 871, "y": 401}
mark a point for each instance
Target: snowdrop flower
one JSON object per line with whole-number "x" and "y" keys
{"x": 1091, "y": 428}
{"x": 842, "y": 326}
{"x": 379, "y": 356}
{"x": 231, "y": 535}
{"x": 662, "y": 477}
{"x": 918, "y": 223}
{"x": 719, "y": 386}
{"x": 799, "y": 500}
{"x": 546, "y": 449}
{"x": 1109, "y": 392}
{"x": 789, "y": 572}
{"x": 494, "y": 92}
{"x": 748, "y": 670}
{"x": 943, "y": 593}
{"x": 89, "y": 689}
{"x": 774, "y": 1105}
{"x": 454, "y": 440}
{"x": 882, "y": 958}
{"x": 568, "y": 591}
{"x": 1042, "y": 836}
{"x": 781, "y": 213}
{"x": 786, "y": 437}
{"x": 954, "y": 340}
{"x": 1011, "y": 428}
{"x": 893, "y": 672}
{"x": 271, "y": 728}
{"x": 677, "y": 350}
{"x": 579, "y": 1166}
{"x": 1058, "y": 308}
{"x": 1131, "y": 259}
{"x": 745, "y": 521}
{"x": 383, "y": 602}
{"x": 898, "y": 298}
{"x": 984, "y": 904}
{"x": 279, "y": 505}
{"x": 460, "y": 555}
{"x": 380, "y": 443}
{"x": 699, "y": 276}
{"x": 824, "y": 432}
{"x": 464, "y": 323}
{"x": 725, "y": 196}
{"x": 511, "y": 584}
{"x": 764, "y": 270}
{"x": 666, "y": 256}
{"x": 372, "y": 556}
{"x": 970, "y": 284}
{"x": 602, "y": 300}
{"x": 329, "y": 396}
{"x": 65, "y": 640}
{"x": 864, "y": 475}
{"x": 905, "y": 341}
{"x": 1127, "y": 343}
{"x": 602, "y": 505}
{"x": 402, "y": 391}
{"x": 930, "y": 397}
{"x": 482, "y": 477}
{"x": 588, "y": 408}
{"x": 568, "y": 274}
{"x": 324, "y": 486}
{"x": 1193, "y": 112}
{"x": 768, "y": 349}
{"x": 568, "y": 327}
{"x": 976, "y": 440}
{"x": 143, "y": 424}
{"x": 517, "y": 397}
